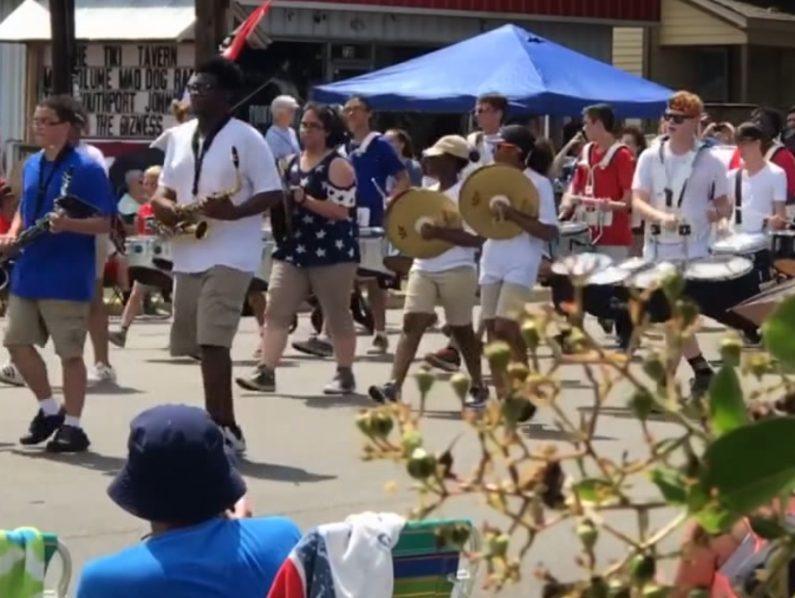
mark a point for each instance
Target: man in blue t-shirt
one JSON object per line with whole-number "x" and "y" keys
{"x": 374, "y": 160}
{"x": 52, "y": 282}
{"x": 179, "y": 477}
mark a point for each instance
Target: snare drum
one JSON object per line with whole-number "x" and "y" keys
{"x": 149, "y": 261}
{"x": 716, "y": 284}
{"x": 259, "y": 283}
{"x": 574, "y": 238}
{"x": 373, "y": 249}
{"x": 783, "y": 250}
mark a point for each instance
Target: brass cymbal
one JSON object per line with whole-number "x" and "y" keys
{"x": 409, "y": 211}
{"x": 491, "y": 184}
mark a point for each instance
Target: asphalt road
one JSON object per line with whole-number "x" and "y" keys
{"x": 303, "y": 456}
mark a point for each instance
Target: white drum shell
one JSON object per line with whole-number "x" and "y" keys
{"x": 140, "y": 252}
{"x": 373, "y": 248}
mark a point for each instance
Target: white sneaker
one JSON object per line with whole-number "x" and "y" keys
{"x": 100, "y": 373}
{"x": 10, "y": 375}
{"x": 233, "y": 438}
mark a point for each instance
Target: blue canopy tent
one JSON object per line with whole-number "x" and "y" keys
{"x": 534, "y": 73}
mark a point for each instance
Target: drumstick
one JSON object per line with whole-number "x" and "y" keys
{"x": 378, "y": 188}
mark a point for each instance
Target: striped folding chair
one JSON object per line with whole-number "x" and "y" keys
{"x": 25, "y": 556}
{"x": 427, "y": 567}
{"x": 53, "y": 546}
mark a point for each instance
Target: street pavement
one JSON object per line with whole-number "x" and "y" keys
{"x": 304, "y": 450}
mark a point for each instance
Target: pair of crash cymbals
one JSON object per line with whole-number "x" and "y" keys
{"x": 482, "y": 190}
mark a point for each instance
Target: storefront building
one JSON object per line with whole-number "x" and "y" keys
{"x": 135, "y": 57}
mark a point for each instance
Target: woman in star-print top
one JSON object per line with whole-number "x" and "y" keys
{"x": 320, "y": 252}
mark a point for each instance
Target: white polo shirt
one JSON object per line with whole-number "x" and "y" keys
{"x": 236, "y": 244}
{"x": 517, "y": 260}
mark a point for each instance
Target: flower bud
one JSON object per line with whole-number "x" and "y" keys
{"x": 730, "y": 348}
{"x": 498, "y": 545}
{"x": 588, "y": 534}
{"x": 530, "y": 334}
{"x": 461, "y": 385}
{"x": 382, "y": 424}
{"x": 673, "y": 285}
{"x": 498, "y": 354}
{"x": 425, "y": 381}
{"x": 411, "y": 440}
{"x": 641, "y": 404}
{"x": 517, "y": 409}
{"x": 364, "y": 421}
{"x": 642, "y": 569}
{"x": 518, "y": 371}
{"x": 421, "y": 464}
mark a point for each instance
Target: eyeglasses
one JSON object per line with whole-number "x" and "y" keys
{"x": 312, "y": 126}
{"x": 677, "y": 119}
{"x": 200, "y": 87}
{"x": 348, "y": 110}
{"x": 43, "y": 122}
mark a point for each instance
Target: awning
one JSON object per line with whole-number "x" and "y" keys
{"x": 98, "y": 20}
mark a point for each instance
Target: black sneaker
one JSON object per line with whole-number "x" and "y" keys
{"x": 447, "y": 359}
{"x": 68, "y": 439}
{"x": 388, "y": 393}
{"x": 607, "y": 325}
{"x": 234, "y": 439}
{"x": 478, "y": 397}
{"x": 699, "y": 385}
{"x": 42, "y": 427}
{"x": 263, "y": 380}
{"x": 343, "y": 383}
{"x": 315, "y": 346}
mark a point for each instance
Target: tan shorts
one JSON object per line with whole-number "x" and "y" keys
{"x": 33, "y": 321}
{"x": 102, "y": 250}
{"x": 455, "y": 290}
{"x": 503, "y": 300}
{"x": 207, "y": 308}
{"x": 289, "y": 286}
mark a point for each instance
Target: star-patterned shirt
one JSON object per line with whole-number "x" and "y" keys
{"x": 315, "y": 240}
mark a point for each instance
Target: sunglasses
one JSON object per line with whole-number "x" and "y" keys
{"x": 200, "y": 87}
{"x": 43, "y": 122}
{"x": 311, "y": 126}
{"x": 677, "y": 119}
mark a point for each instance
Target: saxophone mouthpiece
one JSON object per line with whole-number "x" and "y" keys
{"x": 235, "y": 157}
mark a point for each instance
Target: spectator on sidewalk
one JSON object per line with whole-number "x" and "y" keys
{"x": 180, "y": 479}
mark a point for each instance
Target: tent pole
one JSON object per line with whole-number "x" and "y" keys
{"x": 546, "y": 126}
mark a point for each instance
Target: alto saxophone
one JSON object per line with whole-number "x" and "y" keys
{"x": 189, "y": 221}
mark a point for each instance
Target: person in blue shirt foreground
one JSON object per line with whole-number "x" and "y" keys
{"x": 53, "y": 280}
{"x": 181, "y": 479}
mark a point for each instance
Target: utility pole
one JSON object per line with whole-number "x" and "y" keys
{"x": 63, "y": 45}
{"x": 210, "y": 28}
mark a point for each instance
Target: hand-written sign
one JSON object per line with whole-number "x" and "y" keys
{"x": 127, "y": 89}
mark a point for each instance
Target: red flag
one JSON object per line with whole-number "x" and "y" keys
{"x": 232, "y": 52}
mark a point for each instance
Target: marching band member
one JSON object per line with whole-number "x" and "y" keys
{"x": 53, "y": 280}
{"x": 135, "y": 301}
{"x": 676, "y": 181}
{"x": 101, "y": 371}
{"x": 450, "y": 279}
{"x": 320, "y": 255}
{"x": 212, "y": 276}
{"x": 635, "y": 140}
{"x": 509, "y": 268}
{"x": 491, "y": 110}
{"x": 603, "y": 180}
{"x": 771, "y": 123}
{"x": 374, "y": 161}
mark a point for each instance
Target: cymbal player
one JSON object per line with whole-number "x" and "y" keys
{"x": 450, "y": 278}
{"x": 509, "y": 267}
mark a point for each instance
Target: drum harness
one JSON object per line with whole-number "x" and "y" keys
{"x": 587, "y": 162}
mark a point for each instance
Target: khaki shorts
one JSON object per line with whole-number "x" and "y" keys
{"x": 102, "y": 249}
{"x": 503, "y": 300}
{"x": 33, "y": 321}
{"x": 455, "y": 290}
{"x": 207, "y": 308}
{"x": 290, "y": 286}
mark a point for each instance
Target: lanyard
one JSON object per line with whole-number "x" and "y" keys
{"x": 44, "y": 183}
{"x": 200, "y": 150}
{"x": 669, "y": 193}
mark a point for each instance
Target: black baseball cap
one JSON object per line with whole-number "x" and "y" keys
{"x": 749, "y": 131}
{"x": 519, "y": 136}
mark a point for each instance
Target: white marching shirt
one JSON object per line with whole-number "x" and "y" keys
{"x": 236, "y": 244}
{"x": 702, "y": 175}
{"x": 517, "y": 260}
{"x": 759, "y": 194}
{"x": 455, "y": 257}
